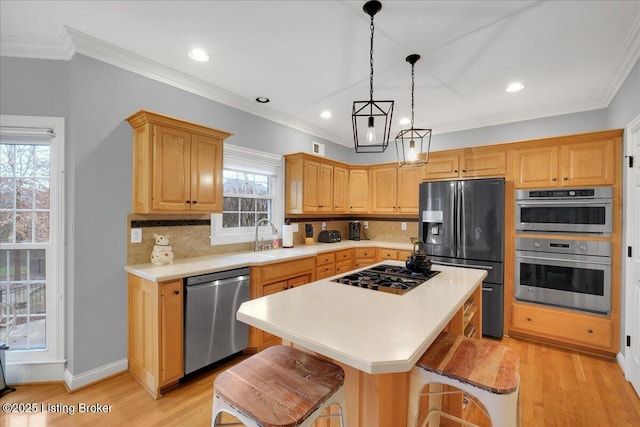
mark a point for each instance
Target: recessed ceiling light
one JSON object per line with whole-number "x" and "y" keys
{"x": 326, "y": 114}
{"x": 262, "y": 99}
{"x": 515, "y": 87}
{"x": 404, "y": 121}
{"x": 199, "y": 55}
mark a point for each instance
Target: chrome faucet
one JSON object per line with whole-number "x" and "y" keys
{"x": 273, "y": 229}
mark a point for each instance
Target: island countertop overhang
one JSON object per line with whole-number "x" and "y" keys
{"x": 375, "y": 332}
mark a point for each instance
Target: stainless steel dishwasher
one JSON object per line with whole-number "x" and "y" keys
{"x": 211, "y": 331}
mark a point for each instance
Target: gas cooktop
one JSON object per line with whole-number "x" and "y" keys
{"x": 386, "y": 278}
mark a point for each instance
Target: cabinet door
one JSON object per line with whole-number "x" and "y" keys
{"x": 143, "y": 333}
{"x": 408, "y": 190}
{"x": 171, "y": 332}
{"x": 294, "y": 182}
{"x": 358, "y": 191}
{"x": 310, "y": 183}
{"x": 536, "y": 167}
{"x": 206, "y": 174}
{"x": 590, "y": 163}
{"x": 325, "y": 188}
{"x": 441, "y": 167}
{"x": 340, "y": 189}
{"x": 488, "y": 163}
{"x": 383, "y": 190}
{"x": 171, "y": 169}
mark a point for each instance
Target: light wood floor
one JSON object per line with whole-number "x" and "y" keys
{"x": 558, "y": 388}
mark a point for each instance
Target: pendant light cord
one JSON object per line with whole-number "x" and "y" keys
{"x": 412, "y": 90}
{"x": 371, "y": 63}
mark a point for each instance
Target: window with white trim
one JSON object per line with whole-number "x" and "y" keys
{"x": 31, "y": 235}
{"x": 252, "y": 190}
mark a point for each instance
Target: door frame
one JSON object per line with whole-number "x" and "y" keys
{"x": 631, "y": 308}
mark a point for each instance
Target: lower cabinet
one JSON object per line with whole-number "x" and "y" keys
{"x": 592, "y": 332}
{"x": 364, "y": 257}
{"x": 277, "y": 277}
{"x": 155, "y": 333}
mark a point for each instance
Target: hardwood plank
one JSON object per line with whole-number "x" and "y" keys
{"x": 558, "y": 388}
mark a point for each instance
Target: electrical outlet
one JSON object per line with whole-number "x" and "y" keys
{"x": 366, "y": 224}
{"x": 324, "y": 225}
{"x": 136, "y": 235}
{"x": 403, "y": 226}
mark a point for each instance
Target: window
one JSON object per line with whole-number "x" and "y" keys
{"x": 31, "y": 233}
{"x": 253, "y": 189}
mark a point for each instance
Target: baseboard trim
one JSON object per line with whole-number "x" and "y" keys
{"x": 74, "y": 382}
{"x": 621, "y": 362}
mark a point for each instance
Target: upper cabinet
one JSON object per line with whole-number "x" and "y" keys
{"x": 567, "y": 162}
{"x": 466, "y": 163}
{"x": 315, "y": 185}
{"x": 395, "y": 190}
{"x": 177, "y": 165}
{"x": 358, "y": 190}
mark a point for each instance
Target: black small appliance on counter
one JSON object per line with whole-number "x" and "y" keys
{"x": 354, "y": 230}
{"x": 329, "y": 236}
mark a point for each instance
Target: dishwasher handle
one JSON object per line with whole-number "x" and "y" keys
{"x": 216, "y": 283}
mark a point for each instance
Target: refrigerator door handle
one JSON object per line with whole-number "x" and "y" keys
{"x": 460, "y": 220}
{"x": 482, "y": 267}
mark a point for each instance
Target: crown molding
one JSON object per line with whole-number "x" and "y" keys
{"x": 60, "y": 48}
{"x": 629, "y": 56}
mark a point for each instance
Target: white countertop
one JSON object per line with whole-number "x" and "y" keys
{"x": 209, "y": 264}
{"x": 375, "y": 332}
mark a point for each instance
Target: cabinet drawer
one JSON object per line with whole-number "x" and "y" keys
{"x": 274, "y": 288}
{"x": 325, "y": 271}
{"x": 344, "y": 266}
{"x": 363, "y": 262}
{"x": 387, "y": 254}
{"x": 403, "y": 255}
{"x": 365, "y": 253}
{"x": 344, "y": 255}
{"x": 272, "y": 272}
{"x": 563, "y": 325}
{"x": 323, "y": 259}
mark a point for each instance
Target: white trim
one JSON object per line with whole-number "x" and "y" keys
{"x": 621, "y": 361}
{"x": 74, "y": 382}
{"x": 23, "y": 373}
{"x": 60, "y": 48}
{"x": 55, "y": 352}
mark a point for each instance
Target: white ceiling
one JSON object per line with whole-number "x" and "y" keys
{"x": 308, "y": 56}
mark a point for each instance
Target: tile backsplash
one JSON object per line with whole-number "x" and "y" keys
{"x": 188, "y": 241}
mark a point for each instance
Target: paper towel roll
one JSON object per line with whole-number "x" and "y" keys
{"x": 287, "y": 236}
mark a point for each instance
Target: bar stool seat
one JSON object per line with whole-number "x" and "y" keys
{"x": 486, "y": 370}
{"x": 280, "y": 386}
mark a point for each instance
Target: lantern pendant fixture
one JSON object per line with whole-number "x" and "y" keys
{"x": 371, "y": 119}
{"x": 411, "y": 142}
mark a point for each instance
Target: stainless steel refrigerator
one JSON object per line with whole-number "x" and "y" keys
{"x": 462, "y": 223}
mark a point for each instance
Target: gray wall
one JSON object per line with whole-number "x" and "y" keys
{"x": 95, "y": 98}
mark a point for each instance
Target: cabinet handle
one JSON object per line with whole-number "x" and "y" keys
{"x": 176, "y": 292}
{"x": 464, "y": 170}
{"x": 554, "y": 179}
{"x": 566, "y": 178}
{"x": 455, "y": 170}
{"x": 528, "y": 319}
{"x": 590, "y": 331}
{"x": 188, "y": 201}
{"x": 194, "y": 202}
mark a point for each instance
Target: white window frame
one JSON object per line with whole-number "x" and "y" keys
{"x": 23, "y": 364}
{"x": 244, "y": 159}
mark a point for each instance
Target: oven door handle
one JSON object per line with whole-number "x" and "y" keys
{"x": 534, "y": 259}
{"x": 564, "y": 202}
{"x": 482, "y": 267}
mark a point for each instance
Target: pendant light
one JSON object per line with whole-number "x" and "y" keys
{"x": 411, "y": 142}
{"x": 371, "y": 119}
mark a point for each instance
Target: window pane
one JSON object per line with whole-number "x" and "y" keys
{"x": 263, "y": 205}
{"x": 42, "y": 193}
{"x": 230, "y": 220}
{"x": 37, "y": 264}
{"x": 37, "y": 300}
{"x": 7, "y": 193}
{"x": 247, "y": 205}
{"x": 24, "y": 193}
{"x": 24, "y": 227}
{"x": 18, "y": 261}
{"x": 230, "y": 204}
{"x": 247, "y": 219}
{"x": 42, "y": 161}
{"x": 6, "y": 227}
{"x": 42, "y": 227}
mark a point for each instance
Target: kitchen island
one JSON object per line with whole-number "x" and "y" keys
{"x": 375, "y": 336}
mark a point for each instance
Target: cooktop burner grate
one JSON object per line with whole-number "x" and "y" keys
{"x": 387, "y": 278}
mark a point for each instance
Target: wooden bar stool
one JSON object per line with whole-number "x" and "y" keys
{"x": 280, "y": 386}
{"x": 485, "y": 370}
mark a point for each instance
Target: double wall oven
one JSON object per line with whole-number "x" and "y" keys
{"x": 562, "y": 271}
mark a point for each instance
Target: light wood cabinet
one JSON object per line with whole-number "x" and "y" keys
{"x": 409, "y": 179}
{"x": 384, "y": 189}
{"x": 590, "y": 331}
{"x": 383, "y": 254}
{"x": 340, "y": 189}
{"x": 466, "y": 163}
{"x": 358, "y": 190}
{"x": 177, "y": 165}
{"x": 277, "y": 277}
{"x": 566, "y": 164}
{"x": 331, "y": 263}
{"x": 315, "y": 185}
{"x": 364, "y": 257}
{"x": 155, "y": 333}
